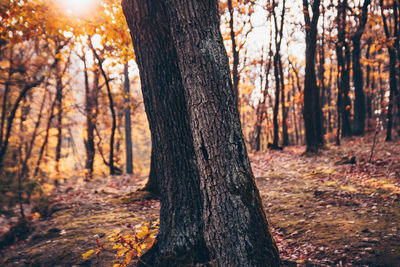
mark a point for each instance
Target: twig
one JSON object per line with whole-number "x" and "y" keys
{"x": 373, "y": 144}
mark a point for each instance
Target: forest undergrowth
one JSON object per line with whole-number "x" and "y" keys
{"x": 337, "y": 207}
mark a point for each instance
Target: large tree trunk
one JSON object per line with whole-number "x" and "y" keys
{"x": 173, "y": 170}
{"x": 128, "y": 130}
{"x": 229, "y": 193}
{"x": 211, "y": 211}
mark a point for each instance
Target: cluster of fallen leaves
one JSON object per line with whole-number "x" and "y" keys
{"x": 129, "y": 246}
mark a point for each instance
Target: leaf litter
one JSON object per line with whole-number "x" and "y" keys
{"x": 320, "y": 213}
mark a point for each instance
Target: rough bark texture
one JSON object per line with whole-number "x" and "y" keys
{"x": 211, "y": 211}
{"x": 173, "y": 167}
{"x": 235, "y": 227}
{"x": 312, "y": 112}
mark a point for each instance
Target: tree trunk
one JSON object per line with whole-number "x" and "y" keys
{"x": 46, "y": 138}
{"x": 359, "y": 101}
{"x": 11, "y": 117}
{"x": 275, "y": 144}
{"x": 112, "y": 109}
{"x": 261, "y": 107}
{"x": 91, "y": 117}
{"x": 343, "y": 58}
{"x": 312, "y": 112}
{"x": 173, "y": 170}
{"x": 392, "y": 71}
{"x": 211, "y": 211}
{"x": 369, "y": 82}
{"x": 226, "y": 179}
{"x": 285, "y": 135}
{"x": 128, "y": 131}
{"x": 59, "y": 113}
{"x": 235, "y": 54}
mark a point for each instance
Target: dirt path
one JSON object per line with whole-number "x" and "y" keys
{"x": 321, "y": 214}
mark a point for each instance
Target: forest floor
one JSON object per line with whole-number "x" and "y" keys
{"x": 324, "y": 210}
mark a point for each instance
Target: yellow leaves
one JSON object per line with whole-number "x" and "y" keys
{"x": 87, "y": 254}
{"x": 34, "y": 216}
{"x": 132, "y": 246}
{"x": 320, "y": 171}
{"x": 144, "y": 231}
{"x": 121, "y": 252}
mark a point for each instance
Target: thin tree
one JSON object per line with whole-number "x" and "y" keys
{"x": 394, "y": 92}
{"x": 343, "y": 61}
{"x": 358, "y": 81}
{"x": 312, "y": 109}
{"x": 277, "y": 72}
{"x": 100, "y": 61}
{"x": 127, "y": 115}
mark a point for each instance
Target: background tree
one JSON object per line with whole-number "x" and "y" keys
{"x": 312, "y": 108}
{"x": 358, "y": 80}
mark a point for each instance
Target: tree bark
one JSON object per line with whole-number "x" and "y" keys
{"x": 277, "y": 73}
{"x": 91, "y": 95}
{"x": 261, "y": 107}
{"x": 211, "y": 211}
{"x": 127, "y": 115}
{"x": 111, "y": 106}
{"x": 358, "y": 81}
{"x": 173, "y": 170}
{"x": 59, "y": 113}
{"x": 312, "y": 112}
{"x": 343, "y": 58}
{"x": 285, "y": 135}
{"x": 392, "y": 73}
{"x": 235, "y": 54}
{"x": 226, "y": 179}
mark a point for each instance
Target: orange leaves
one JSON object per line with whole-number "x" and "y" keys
{"x": 133, "y": 245}
{"x": 129, "y": 246}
